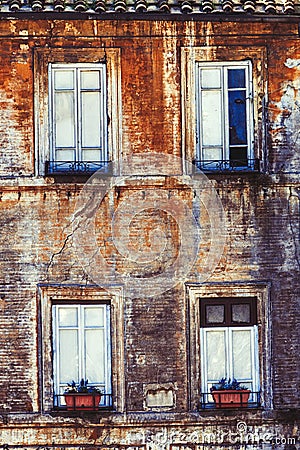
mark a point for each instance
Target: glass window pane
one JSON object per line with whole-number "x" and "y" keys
{"x": 64, "y": 119}
{"x": 64, "y": 155}
{"x": 241, "y": 354}
{"x": 215, "y": 313}
{"x": 216, "y": 355}
{"x": 93, "y": 317}
{"x": 68, "y": 355}
{"x": 211, "y": 78}
{"x": 241, "y": 313}
{"x": 67, "y": 317}
{"x": 95, "y": 355}
{"x": 238, "y": 156}
{"x": 237, "y": 117}
{"x": 212, "y": 156}
{"x": 91, "y": 121}
{"x": 90, "y": 79}
{"x": 211, "y": 118}
{"x": 91, "y": 155}
{"x": 236, "y": 78}
{"x": 64, "y": 79}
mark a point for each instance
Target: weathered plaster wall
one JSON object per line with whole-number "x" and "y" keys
{"x": 262, "y": 212}
{"x": 214, "y": 433}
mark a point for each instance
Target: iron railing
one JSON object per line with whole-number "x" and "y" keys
{"x": 232, "y": 165}
{"x": 76, "y": 404}
{"x": 74, "y": 167}
{"x": 207, "y": 401}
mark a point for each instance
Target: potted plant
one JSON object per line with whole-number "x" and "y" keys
{"x": 81, "y": 396}
{"x": 230, "y": 394}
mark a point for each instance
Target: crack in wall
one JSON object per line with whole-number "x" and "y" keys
{"x": 59, "y": 252}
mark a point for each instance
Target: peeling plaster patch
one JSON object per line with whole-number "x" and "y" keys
{"x": 141, "y": 359}
{"x": 209, "y": 34}
{"x": 95, "y": 27}
{"x": 12, "y": 27}
{"x": 289, "y": 98}
{"x": 158, "y": 396}
{"x": 208, "y": 47}
{"x": 10, "y": 136}
{"x": 2, "y": 304}
{"x": 292, "y": 63}
{"x": 69, "y": 27}
{"x": 287, "y": 123}
{"x": 170, "y": 89}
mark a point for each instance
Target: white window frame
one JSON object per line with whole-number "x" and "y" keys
{"x": 108, "y": 58}
{"x": 224, "y": 89}
{"x": 251, "y": 383}
{"x": 227, "y": 54}
{"x": 50, "y": 295}
{"x": 105, "y": 384}
{"x": 235, "y": 290}
{"x": 77, "y": 90}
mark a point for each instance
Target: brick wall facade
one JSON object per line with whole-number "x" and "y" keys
{"x": 154, "y": 401}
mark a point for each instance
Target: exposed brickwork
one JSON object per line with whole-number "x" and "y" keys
{"x": 36, "y": 239}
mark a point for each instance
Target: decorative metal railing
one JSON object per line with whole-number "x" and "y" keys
{"x": 208, "y": 402}
{"x": 232, "y": 165}
{"x": 74, "y": 167}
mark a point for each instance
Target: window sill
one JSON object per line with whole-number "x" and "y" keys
{"x": 93, "y": 416}
{"x": 213, "y": 407}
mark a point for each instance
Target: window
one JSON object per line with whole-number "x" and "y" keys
{"x": 78, "y": 117}
{"x": 81, "y": 348}
{"x": 81, "y": 335}
{"x": 229, "y": 343}
{"x": 223, "y": 103}
{"x": 77, "y": 110}
{"x": 224, "y": 115}
{"x": 229, "y": 336}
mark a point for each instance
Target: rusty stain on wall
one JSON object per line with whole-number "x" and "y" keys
{"x": 262, "y": 245}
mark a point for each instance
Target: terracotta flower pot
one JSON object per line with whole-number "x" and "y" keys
{"x": 84, "y": 402}
{"x": 231, "y": 398}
